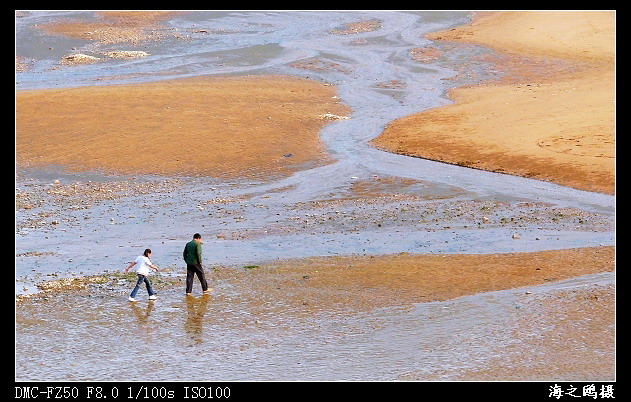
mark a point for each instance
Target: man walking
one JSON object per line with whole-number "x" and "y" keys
{"x": 193, "y": 258}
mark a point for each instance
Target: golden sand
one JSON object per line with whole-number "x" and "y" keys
{"x": 367, "y": 282}
{"x": 222, "y": 127}
{"x": 556, "y": 126}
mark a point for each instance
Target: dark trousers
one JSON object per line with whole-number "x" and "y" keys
{"x": 191, "y": 270}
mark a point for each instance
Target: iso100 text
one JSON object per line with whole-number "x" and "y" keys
{"x": 206, "y": 392}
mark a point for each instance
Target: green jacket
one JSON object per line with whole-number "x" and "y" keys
{"x": 193, "y": 253}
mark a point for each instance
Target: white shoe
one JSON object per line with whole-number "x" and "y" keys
{"x": 153, "y": 297}
{"x": 131, "y": 299}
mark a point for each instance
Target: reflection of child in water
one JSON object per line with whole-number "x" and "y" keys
{"x": 144, "y": 263}
{"x": 144, "y": 327}
{"x": 142, "y": 317}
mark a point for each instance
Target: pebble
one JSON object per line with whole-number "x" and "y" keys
{"x": 331, "y": 116}
{"x": 78, "y": 58}
{"x": 126, "y": 54}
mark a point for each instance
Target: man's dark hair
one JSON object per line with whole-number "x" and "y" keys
{"x": 197, "y": 236}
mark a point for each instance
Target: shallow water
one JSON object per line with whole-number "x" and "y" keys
{"x": 227, "y": 337}
{"x": 367, "y": 202}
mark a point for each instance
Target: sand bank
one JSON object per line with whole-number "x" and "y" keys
{"x": 367, "y": 282}
{"x": 550, "y": 124}
{"x": 256, "y": 126}
{"x": 114, "y": 27}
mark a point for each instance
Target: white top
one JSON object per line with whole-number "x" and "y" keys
{"x": 142, "y": 265}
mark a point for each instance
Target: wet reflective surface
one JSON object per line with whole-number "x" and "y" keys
{"x": 236, "y": 335}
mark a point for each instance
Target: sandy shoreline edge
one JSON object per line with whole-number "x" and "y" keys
{"x": 404, "y": 278}
{"x": 549, "y": 125}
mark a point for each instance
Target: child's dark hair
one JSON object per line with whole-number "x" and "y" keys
{"x": 147, "y": 252}
{"x": 197, "y": 236}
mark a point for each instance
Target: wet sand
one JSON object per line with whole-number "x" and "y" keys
{"x": 255, "y": 126}
{"x": 555, "y": 333}
{"x": 553, "y": 124}
{"x": 362, "y": 283}
{"x": 114, "y": 27}
{"x": 565, "y": 335}
{"x": 300, "y": 310}
{"x": 291, "y": 298}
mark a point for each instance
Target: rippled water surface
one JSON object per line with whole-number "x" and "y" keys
{"x": 225, "y": 337}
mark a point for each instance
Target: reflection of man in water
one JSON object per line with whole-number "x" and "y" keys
{"x": 196, "y": 308}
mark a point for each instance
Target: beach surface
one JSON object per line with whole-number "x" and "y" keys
{"x": 114, "y": 27}
{"x": 554, "y": 123}
{"x": 330, "y": 259}
{"x": 538, "y": 316}
{"x": 221, "y": 127}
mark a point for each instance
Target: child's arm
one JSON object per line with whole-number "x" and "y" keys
{"x": 129, "y": 266}
{"x": 154, "y": 267}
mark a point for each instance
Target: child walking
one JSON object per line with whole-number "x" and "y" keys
{"x": 144, "y": 263}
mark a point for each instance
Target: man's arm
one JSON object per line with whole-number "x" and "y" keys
{"x": 199, "y": 253}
